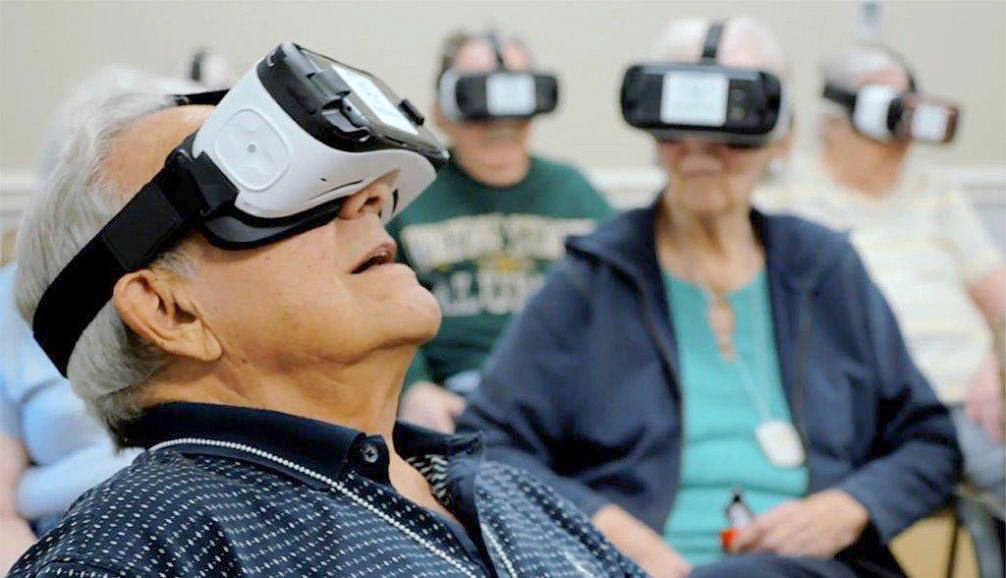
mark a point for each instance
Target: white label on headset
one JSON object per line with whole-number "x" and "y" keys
{"x": 696, "y": 98}
{"x": 929, "y": 122}
{"x": 375, "y": 100}
{"x": 870, "y": 114}
{"x": 510, "y": 94}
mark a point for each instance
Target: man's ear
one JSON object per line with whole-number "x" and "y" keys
{"x": 157, "y": 307}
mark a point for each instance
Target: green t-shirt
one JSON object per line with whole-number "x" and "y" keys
{"x": 483, "y": 250}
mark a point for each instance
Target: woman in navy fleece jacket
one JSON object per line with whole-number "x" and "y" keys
{"x": 597, "y": 386}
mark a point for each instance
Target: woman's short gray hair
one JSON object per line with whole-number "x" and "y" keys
{"x": 109, "y": 362}
{"x": 682, "y": 40}
{"x": 850, "y": 68}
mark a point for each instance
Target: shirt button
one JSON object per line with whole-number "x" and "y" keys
{"x": 370, "y": 453}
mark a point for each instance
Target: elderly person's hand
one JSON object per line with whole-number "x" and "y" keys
{"x": 432, "y": 406}
{"x": 984, "y": 402}
{"x": 640, "y": 543}
{"x": 820, "y": 526}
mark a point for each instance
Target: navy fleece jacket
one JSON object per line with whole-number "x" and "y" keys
{"x": 583, "y": 388}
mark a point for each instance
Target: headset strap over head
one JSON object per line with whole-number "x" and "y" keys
{"x": 182, "y": 194}
{"x": 711, "y": 45}
{"x": 210, "y": 97}
{"x": 494, "y": 41}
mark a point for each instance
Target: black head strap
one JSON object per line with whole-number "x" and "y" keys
{"x": 494, "y": 40}
{"x": 212, "y": 97}
{"x": 196, "y": 66}
{"x": 711, "y": 45}
{"x": 175, "y": 201}
{"x": 840, "y": 96}
{"x": 903, "y": 61}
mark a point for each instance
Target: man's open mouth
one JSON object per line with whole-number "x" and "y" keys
{"x": 381, "y": 256}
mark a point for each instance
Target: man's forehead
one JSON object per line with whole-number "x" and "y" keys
{"x": 477, "y": 55}
{"x": 138, "y": 151}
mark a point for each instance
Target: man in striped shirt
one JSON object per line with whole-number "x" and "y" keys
{"x": 927, "y": 250}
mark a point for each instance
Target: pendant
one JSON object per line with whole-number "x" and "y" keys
{"x": 721, "y": 320}
{"x": 780, "y": 443}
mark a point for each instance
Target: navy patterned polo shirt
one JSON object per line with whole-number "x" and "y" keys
{"x": 227, "y": 491}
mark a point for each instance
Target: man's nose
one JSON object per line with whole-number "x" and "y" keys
{"x": 694, "y": 145}
{"x": 371, "y": 199}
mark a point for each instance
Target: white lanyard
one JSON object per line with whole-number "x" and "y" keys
{"x": 778, "y": 439}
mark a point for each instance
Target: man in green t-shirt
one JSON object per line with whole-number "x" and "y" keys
{"x": 483, "y": 235}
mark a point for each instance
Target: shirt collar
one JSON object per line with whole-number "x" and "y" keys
{"x": 322, "y": 447}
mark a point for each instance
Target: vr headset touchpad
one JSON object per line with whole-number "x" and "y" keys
{"x": 510, "y": 94}
{"x": 694, "y": 98}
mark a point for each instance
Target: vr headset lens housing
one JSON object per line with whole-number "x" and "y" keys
{"x": 882, "y": 113}
{"x": 296, "y": 135}
{"x": 738, "y": 106}
{"x": 497, "y": 95}
{"x": 675, "y": 101}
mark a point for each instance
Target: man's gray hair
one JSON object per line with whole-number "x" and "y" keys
{"x": 109, "y": 362}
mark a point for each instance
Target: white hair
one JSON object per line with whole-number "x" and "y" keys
{"x": 850, "y": 70}
{"x": 109, "y": 361}
{"x": 745, "y": 42}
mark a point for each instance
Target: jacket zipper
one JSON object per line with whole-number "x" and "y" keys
{"x": 338, "y": 486}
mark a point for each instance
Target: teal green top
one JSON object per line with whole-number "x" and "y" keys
{"x": 483, "y": 250}
{"x": 720, "y": 416}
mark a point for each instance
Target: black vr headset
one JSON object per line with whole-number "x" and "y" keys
{"x": 883, "y": 114}
{"x": 497, "y": 94}
{"x": 736, "y": 106}
{"x": 296, "y": 136}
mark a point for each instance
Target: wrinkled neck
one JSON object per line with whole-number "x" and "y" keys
{"x": 362, "y": 395}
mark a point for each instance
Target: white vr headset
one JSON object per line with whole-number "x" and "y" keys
{"x": 883, "y": 113}
{"x": 297, "y": 135}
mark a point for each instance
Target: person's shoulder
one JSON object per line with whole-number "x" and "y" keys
{"x": 115, "y": 524}
{"x": 806, "y": 250}
{"x": 802, "y": 229}
{"x": 572, "y": 194}
{"x": 553, "y": 168}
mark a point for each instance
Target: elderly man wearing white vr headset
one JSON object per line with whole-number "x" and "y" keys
{"x": 242, "y": 317}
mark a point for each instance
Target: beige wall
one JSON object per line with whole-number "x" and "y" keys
{"x": 960, "y": 48}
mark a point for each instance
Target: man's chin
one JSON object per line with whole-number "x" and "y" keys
{"x": 423, "y": 317}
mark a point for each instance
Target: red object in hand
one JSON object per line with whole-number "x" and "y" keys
{"x": 727, "y": 538}
{"x": 738, "y": 515}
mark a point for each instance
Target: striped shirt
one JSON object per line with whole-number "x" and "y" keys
{"x": 923, "y": 244}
